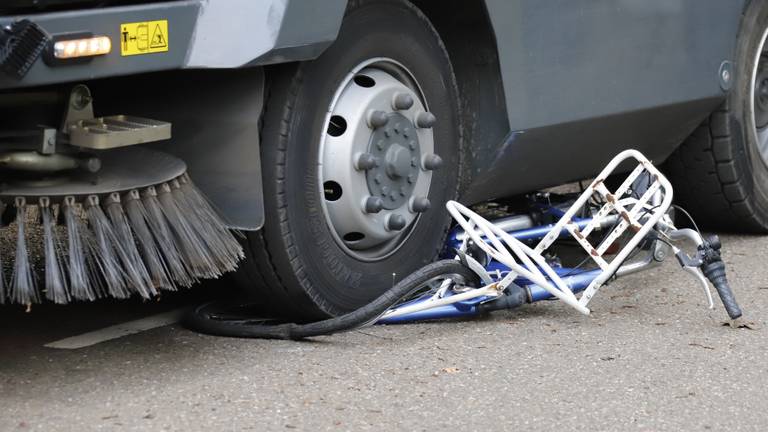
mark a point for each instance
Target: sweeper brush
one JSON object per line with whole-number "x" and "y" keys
{"x": 95, "y": 216}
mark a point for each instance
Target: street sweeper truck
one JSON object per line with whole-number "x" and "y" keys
{"x": 309, "y": 147}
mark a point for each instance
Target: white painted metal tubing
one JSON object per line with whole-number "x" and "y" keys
{"x": 466, "y": 218}
{"x": 652, "y": 220}
{"x": 512, "y": 223}
{"x": 529, "y": 263}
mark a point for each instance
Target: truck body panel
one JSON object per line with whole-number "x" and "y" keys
{"x": 202, "y": 34}
{"x": 581, "y": 80}
{"x": 584, "y": 80}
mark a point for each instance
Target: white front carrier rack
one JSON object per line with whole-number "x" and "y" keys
{"x": 637, "y": 213}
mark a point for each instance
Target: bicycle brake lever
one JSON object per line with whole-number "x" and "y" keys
{"x": 696, "y": 272}
{"x": 693, "y": 266}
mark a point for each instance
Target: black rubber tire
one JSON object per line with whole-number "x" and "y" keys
{"x": 293, "y": 262}
{"x": 717, "y": 173}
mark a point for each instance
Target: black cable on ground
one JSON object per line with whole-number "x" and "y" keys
{"x": 202, "y": 320}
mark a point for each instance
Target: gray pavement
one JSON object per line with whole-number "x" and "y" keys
{"x": 651, "y": 357}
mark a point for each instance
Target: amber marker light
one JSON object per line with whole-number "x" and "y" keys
{"x": 84, "y": 47}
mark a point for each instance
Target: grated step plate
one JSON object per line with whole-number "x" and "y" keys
{"x": 103, "y": 133}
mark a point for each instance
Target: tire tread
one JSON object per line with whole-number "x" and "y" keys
{"x": 708, "y": 183}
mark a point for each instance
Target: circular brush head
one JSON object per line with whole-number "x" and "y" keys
{"x": 136, "y": 227}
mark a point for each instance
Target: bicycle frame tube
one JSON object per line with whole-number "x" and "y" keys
{"x": 426, "y": 308}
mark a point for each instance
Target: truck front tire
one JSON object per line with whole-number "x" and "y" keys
{"x": 303, "y": 263}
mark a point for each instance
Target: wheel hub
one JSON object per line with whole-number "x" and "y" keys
{"x": 376, "y": 159}
{"x": 395, "y": 148}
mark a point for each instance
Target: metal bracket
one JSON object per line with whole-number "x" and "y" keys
{"x": 103, "y": 133}
{"x": 48, "y": 141}
{"x": 79, "y": 107}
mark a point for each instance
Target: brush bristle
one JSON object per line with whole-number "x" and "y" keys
{"x": 55, "y": 281}
{"x": 106, "y": 254}
{"x": 2, "y": 281}
{"x": 152, "y": 256}
{"x": 166, "y": 242}
{"x": 91, "y": 261}
{"x": 135, "y": 270}
{"x": 23, "y": 290}
{"x": 193, "y": 250}
{"x": 3, "y": 294}
{"x": 137, "y": 244}
{"x": 218, "y": 238}
{"x": 79, "y": 274}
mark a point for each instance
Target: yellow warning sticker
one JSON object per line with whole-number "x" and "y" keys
{"x": 143, "y": 37}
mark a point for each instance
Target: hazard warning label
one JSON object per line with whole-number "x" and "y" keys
{"x": 143, "y": 37}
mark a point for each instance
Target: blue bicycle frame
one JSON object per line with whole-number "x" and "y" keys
{"x": 576, "y": 279}
{"x": 513, "y": 264}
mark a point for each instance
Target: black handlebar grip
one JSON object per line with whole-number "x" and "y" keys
{"x": 715, "y": 272}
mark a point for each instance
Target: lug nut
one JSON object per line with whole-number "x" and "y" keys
{"x": 402, "y": 101}
{"x": 377, "y": 119}
{"x": 395, "y": 222}
{"x": 373, "y": 204}
{"x": 420, "y": 204}
{"x": 365, "y": 161}
{"x": 432, "y": 162}
{"x": 425, "y": 120}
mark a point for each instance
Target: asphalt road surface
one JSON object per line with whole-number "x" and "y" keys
{"x": 651, "y": 357}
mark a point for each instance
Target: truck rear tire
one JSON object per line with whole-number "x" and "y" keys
{"x": 720, "y": 172}
{"x": 307, "y": 263}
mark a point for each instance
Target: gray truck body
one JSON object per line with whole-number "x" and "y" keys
{"x": 559, "y": 86}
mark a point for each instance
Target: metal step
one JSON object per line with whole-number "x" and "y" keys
{"x": 103, "y": 133}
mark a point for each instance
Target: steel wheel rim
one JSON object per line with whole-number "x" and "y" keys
{"x": 758, "y": 98}
{"x": 345, "y": 186}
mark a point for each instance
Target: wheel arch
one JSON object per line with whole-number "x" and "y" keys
{"x": 467, "y": 32}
